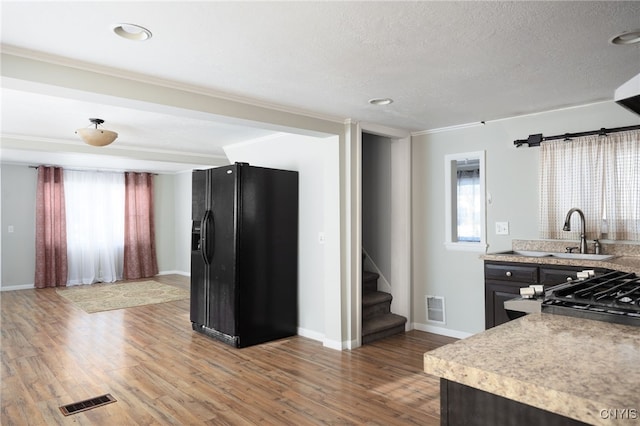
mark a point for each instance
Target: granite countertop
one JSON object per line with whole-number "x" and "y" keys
{"x": 619, "y": 263}
{"x": 570, "y": 366}
{"x": 627, "y": 256}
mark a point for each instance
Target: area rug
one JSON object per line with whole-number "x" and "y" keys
{"x": 106, "y": 297}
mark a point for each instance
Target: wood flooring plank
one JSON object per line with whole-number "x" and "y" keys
{"x": 161, "y": 372}
{"x": 17, "y": 406}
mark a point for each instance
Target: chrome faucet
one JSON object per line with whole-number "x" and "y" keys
{"x": 567, "y": 227}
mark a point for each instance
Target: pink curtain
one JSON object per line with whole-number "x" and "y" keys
{"x": 51, "y": 229}
{"x": 139, "y": 232}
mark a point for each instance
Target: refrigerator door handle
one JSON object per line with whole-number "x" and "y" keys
{"x": 204, "y": 229}
{"x": 212, "y": 234}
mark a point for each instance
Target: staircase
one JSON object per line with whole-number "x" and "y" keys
{"x": 377, "y": 320}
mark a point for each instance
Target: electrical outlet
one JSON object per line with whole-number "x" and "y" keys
{"x": 502, "y": 228}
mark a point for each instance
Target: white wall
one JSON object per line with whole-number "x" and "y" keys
{"x": 173, "y": 211}
{"x": 182, "y": 224}
{"x": 164, "y": 202}
{"x": 18, "y": 209}
{"x": 511, "y": 176}
{"x": 316, "y": 161}
{"x": 376, "y": 201}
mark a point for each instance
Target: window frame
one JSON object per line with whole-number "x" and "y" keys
{"x": 451, "y": 213}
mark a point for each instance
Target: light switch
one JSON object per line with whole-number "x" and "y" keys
{"x": 10, "y": 229}
{"x": 321, "y": 237}
{"x": 502, "y": 228}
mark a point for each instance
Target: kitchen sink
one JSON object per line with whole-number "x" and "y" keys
{"x": 524, "y": 253}
{"x": 531, "y": 253}
{"x": 582, "y": 256}
{"x": 576, "y": 256}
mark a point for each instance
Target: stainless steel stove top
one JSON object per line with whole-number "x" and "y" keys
{"x": 612, "y": 297}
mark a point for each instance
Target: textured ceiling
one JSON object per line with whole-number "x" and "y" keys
{"x": 443, "y": 63}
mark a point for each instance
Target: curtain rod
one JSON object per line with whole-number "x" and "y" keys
{"x": 86, "y": 170}
{"x": 534, "y": 140}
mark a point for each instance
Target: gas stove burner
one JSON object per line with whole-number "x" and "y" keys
{"x": 613, "y": 297}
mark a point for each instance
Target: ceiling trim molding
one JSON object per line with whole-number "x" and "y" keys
{"x": 566, "y": 108}
{"x": 113, "y": 72}
{"x": 482, "y": 123}
{"x": 186, "y": 168}
{"x": 448, "y": 128}
{"x": 389, "y": 132}
{"x": 31, "y": 143}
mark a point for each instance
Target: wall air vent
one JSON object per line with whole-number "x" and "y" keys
{"x": 435, "y": 309}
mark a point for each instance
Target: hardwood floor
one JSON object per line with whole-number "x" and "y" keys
{"x": 161, "y": 372}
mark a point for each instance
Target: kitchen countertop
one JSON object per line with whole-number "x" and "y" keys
{"x": 618, "y": 263}
{"x": 570, "y": 366}
{"x": 627, "y": 256}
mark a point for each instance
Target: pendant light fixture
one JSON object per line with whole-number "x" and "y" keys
{"x": 96, "y": 137}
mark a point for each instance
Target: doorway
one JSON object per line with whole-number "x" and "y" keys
{"x": 386, "y": 212}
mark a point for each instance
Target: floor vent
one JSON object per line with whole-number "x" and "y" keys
{"x": 435, "y": 309}
{"x": 87, "y": 404}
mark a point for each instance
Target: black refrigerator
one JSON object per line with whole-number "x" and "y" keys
{"x": 244, "y": 254}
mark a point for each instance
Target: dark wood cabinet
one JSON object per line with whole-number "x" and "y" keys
{"x": 511, "y": 272}
{"x": 503, "y": 280}
{"x": 558, "y": 274}
{"x": 496, "y": 295}
{"x": 468, "y": 406}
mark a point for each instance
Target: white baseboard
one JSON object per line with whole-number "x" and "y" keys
{"x": 352, "y": 344}
{"x": 334, "y": 344}
{"x": 442, "y": 331}
{"x": 310, "y": 334}
{"x": 17, "y": 287}
{"x": 327, "y": 343}
{"x": 186, "y": 274}
{"x": 31, "y": 286}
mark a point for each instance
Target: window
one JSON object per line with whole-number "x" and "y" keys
{"x": 599, "y": 175}
{"x": 465, "y": 201}
{"x": 468, "y": 200}
{"x": 95, "y": 226}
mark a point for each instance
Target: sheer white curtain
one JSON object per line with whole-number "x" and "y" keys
{"x": 95, "y": 226}
{"x": 600, "y": 175}
{"x": 622, "y": 185}
{"x": 468, "y": 202}
{"x": 571, "y": 175}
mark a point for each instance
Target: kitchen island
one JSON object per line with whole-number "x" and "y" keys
{"x": 541, "y": 366}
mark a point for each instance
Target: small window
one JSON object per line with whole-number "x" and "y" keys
{"x": 465, "y": 201}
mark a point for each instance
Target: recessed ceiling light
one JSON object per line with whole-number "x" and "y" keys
{"x": 380, "y": 101}
{"x": 627, "y": 37}
{"x": 132, "y": 31}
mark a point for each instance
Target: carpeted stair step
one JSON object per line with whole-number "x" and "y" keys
{"x": 382, "y": 326}
{"x": 369, "y": 281}
{"x": 375, "y": 303}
